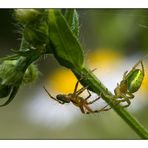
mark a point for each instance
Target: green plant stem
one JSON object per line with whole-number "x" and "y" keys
{"x": 87, "y": 78}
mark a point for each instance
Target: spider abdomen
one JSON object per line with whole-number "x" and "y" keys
{"x": 134, "y": 81}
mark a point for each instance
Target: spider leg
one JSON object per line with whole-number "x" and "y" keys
{"x": 91, "y": 102}
{"x": 142, "y": 66}
{"x": 89, "y": 95}
{"x": 88, "y": 109}
{"x": 103, "y": 109}
{"x": 77, "y": 92}
{"x": 124, "y": 75}
{"x": 100, "y": 110}
{"x": 134, "y": 67}
{"x": 76, "y": 87}
{"x": 140, "y": 61}
{"x": 94, "y": 111}
{"x": 82, "y": 109}
{"x": 128, "y": 103}
{"x": 80, "y": 91}
{"x": 52, "y": 96}
{"x": 130, "y": 95}
{"x": 93, "y": 69}
{"x": 125, "y": 99}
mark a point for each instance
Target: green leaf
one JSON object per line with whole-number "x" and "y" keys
{"x": 4, "y": 90}
{"x": 72, "y": 18}
{"x": 12, "y": 95}
{"x": 67, "y": 49}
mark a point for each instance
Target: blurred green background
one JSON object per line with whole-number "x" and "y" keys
{"x": 113, "y": 40}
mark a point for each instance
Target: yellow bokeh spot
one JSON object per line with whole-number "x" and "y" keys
{"x": 103, "y": 57}
{"x": 144, "y": 86}
{"x": 62, "y": 80}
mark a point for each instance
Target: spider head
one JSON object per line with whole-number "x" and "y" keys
{"x": 63, "y": 98}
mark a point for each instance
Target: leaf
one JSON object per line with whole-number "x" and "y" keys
{"x": 72, "y": 18}
{"x": 67, "y": 49}
{"x": 12, "y": 95}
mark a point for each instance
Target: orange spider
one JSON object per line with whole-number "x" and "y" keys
{"x": 77, "y": 100}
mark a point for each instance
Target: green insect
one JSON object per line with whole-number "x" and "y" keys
{"x": 131, "y": 82}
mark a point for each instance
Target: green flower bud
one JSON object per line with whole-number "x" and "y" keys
{"x": 31, "y": 74}
{"x": 36, "y": 34}
{"x": 9, "y": 74}
{"x": 25, "y": 16}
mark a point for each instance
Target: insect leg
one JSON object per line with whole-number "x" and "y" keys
{"x": 52, "y": 96}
